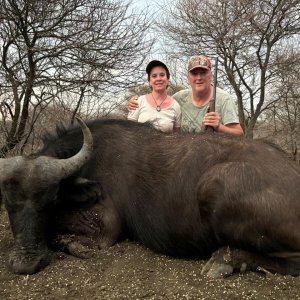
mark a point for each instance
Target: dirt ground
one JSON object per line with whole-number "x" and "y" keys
{"x": 130, "y": 271}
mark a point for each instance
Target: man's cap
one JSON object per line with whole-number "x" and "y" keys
{"x": 156, "y": 63}
{"x": 199, "y": 61}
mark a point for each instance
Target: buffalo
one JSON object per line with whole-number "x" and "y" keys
{"x": 186, "y": 195}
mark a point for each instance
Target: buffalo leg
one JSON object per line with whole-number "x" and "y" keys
{"x": 111, "y": 228}
{"x": 80, "y": 232}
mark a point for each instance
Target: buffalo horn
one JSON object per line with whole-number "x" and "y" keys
{"x": 50, "y": 169}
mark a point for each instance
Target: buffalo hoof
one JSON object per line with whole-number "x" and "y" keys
{"x": 77, "y": 246}
{"x": 223, "y": 263}
{"x": 78, "y": 250}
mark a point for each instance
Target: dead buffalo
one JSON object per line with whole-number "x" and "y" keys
{"x": 183, "y": 195}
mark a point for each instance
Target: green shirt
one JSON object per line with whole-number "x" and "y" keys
{"x": 193, "y": 115}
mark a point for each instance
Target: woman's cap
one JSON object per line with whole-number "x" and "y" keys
{"x": 199, "y": 61}
{"x": 156, "y": 63}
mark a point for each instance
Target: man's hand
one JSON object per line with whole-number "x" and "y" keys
{"x": 212, "y": 119}
{"x": 132, "y": 103}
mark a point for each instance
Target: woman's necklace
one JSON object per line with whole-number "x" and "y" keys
{"x": 158, "y": 107}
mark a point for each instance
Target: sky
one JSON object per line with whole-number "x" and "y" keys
{"x": 158, "y": 52}
{"x": 143, "y": 3}
{"x": 152, "y": 7}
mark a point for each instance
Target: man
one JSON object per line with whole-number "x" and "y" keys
{"x": 194, "y": 102}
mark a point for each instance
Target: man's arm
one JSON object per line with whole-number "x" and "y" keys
{"x": 234, "y": 129}
{"x": 213, "y": 119}
{"x": 228, "y": 121}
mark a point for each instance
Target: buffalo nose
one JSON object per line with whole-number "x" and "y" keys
{"x": 28, "y": 263}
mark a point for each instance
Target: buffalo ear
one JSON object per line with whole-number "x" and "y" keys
{"x": 80, "y": 192}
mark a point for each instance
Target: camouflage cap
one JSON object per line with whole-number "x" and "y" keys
{"x": 199, "y": 61}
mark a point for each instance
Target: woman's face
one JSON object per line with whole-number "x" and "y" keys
{"x": 158, "y": 79}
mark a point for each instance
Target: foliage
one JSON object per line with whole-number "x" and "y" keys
{"x": 282, "y": 118}
{"x": 67, "y": 53}
{"x": 245, "y": 35}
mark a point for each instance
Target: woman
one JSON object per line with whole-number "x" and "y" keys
{"x": 158, "y": 107}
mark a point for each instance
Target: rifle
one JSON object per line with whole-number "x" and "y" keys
{"x": 212, "y": 101}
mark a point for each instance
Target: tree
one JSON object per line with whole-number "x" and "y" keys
{"x": 282, "y": 119}
{"x": 51, "y": 49}
{"x": 245, "y": 35}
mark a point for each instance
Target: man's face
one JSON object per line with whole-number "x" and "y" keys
{"x": 200, "y": 80}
